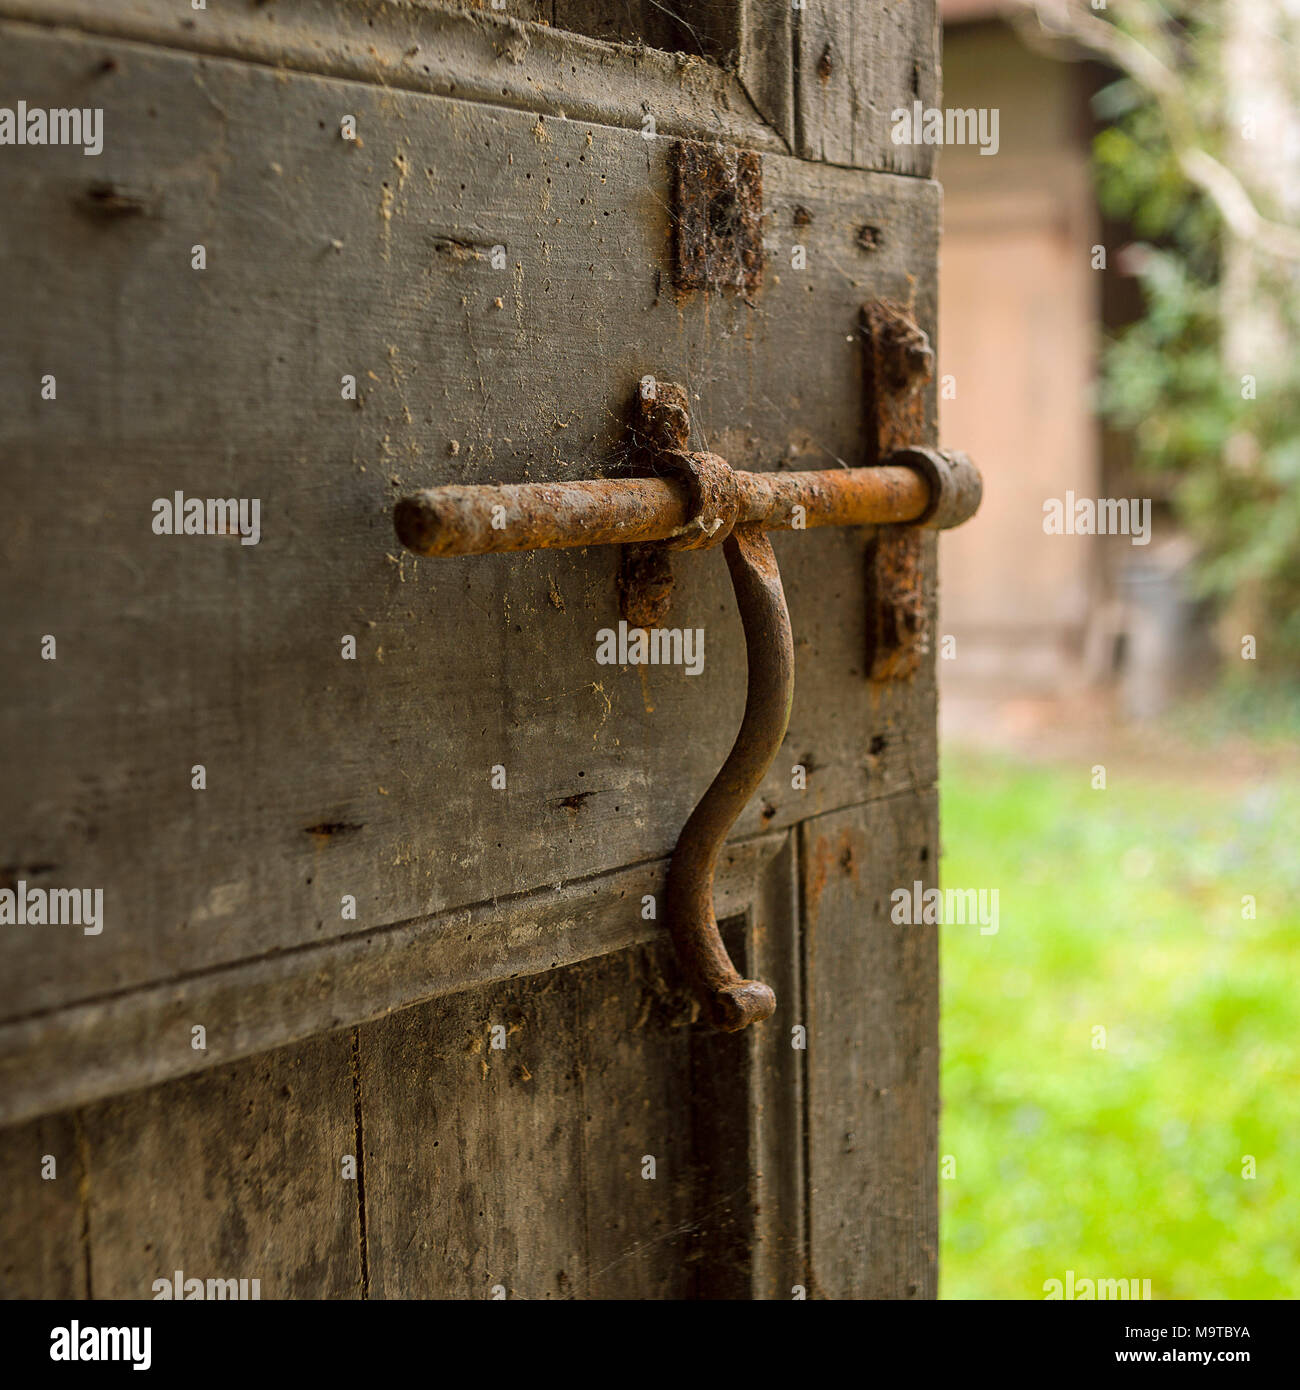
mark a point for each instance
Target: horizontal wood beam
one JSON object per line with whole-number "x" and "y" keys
{"x": 103, "y": 1047}
{"x": 474, "y": 56}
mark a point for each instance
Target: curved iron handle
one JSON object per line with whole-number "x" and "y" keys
{"x": 732, "y": 1002}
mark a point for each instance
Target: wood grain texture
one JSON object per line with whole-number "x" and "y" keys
{"x": 67, "y": 1057}
{"x": 473, "y": 1156}
{"x": 858, "y": 61}
{"x": 701, "y": 30}
{"x": 43, "y": 1225}
{"x": 765, "y": 63}
{"x": 520, "y": 1171}
{"x": 873, "y": 1053}
{"x": 476, "y": 53}
{"x": 235, "y": 1174}
{"x": 483, "y": 1171}
{"x": 372, "y": 778}
{"x": 773, "y": 950}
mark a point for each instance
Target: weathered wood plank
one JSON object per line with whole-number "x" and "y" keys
{"x": 610, "y": 1149}
{"x": 638, "y": 21}
{"x": 43, "y": 1251}
{"x": 525, "y": 1172}
{"x": 873, "y": 1039}
{"x": 474, "y": 1184}
{"x": 520, "y": 1167}
{"x": 372, "y": 778}
{"x": 765, "y": 63}
{"x": 235, "y": 1174}
{"x": 642, "y": 1222}
{"x": 68, "y": 1057}
{"x": 860, "y": 60}
{"x": 775, "y": 1111}
{"x": 474, "y": 54}
{"x": 725, "y": 1160}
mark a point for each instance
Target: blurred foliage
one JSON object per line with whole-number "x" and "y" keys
{"x": 1121, "y": 908}
{"x": 1233, "y": 463}
{"x": 1240, "y": 711}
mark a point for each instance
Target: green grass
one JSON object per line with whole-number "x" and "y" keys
{"x": 1120, "y": 908}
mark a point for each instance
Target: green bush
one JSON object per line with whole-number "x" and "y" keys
{"x": 1229, "y": 449}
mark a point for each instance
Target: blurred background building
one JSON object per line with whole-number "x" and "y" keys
{"x": 1025, "y": 298}
{"x": 1143, "y": 843}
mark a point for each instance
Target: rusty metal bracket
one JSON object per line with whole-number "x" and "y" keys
{"x": 717, "y": 217}
{"x": 898, "y": 365}
{"x": 692, "y": 501}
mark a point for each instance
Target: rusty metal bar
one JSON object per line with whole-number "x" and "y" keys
{"x": 617, "y": 511}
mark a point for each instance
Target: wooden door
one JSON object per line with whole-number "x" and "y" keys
{"x": 377, "y": 1008}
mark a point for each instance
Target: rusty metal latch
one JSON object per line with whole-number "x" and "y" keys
{"x": 702, "y": 503}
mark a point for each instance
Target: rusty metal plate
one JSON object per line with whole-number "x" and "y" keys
{"x": 717, "y": 218}
{"x": 898, "y": 364}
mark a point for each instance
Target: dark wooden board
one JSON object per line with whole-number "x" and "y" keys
{"x": 858, "y": 62}
{"x": 474, "y": 1156}
{"x": 505, "y": 58}
{"x": 484, "y": 1172}
{"x": 522, "y": 1171}
{"x": 873, "y": 1053}
{"x": 67, "y": 1057}
{"x": 44, "y": 1252}
{"x": 234, "y": 1174}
